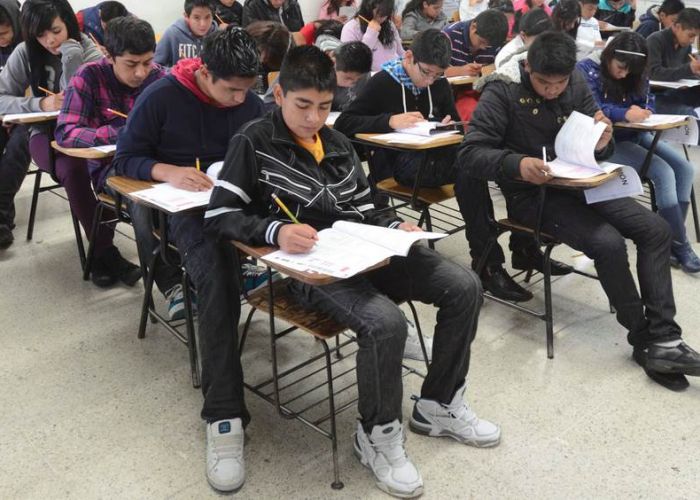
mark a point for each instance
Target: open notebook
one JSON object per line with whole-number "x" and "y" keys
{"x": 349, "y": 248}
{"x": 172, "y": 199}
{"x": 575, "y": 148}
{"x": 29, "y": 116}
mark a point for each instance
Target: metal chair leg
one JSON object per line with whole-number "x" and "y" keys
{"x": 147, "y": 294}
{"x": 91, "y": 241}
{"x": 337, "y": 484}
{"x": 35, "y": 202}
{"x": 191, "y": 335}
{"x": 79, "y": 240}
{"x": 694, "y": 208}
{"x": 548, "y": 300}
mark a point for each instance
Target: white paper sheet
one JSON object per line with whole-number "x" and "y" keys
{"x": 426, "y": 129}
{"x": 680, "y": 84}
{"x": 399, "y": 138}
{"x": 687, "y": 134}
{"x": 626, "y": 183}
{"x": 110, "y": 148}
{"x": 172, "y": 199}
{"x": 657, "y": 119}
{"x": 332, "y": 117}
{"x": 26, "y": 116}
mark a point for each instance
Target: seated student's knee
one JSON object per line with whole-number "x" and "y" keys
{"x": 657, "y": 230}
{"x": 389, "y": 324}
{"x": 604, "y": 243}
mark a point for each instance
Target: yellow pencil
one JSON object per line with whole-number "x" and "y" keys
{"x": 47, "y": 91}
{"x": 285, "y": 209}
{"x": 365, "y": 20}
{"x": 199, "y": 168}
{"x": 691, "y": 57}
{"x": 221, "y": 21}
{"x": 118, "y": 113}
{"x": 94, "y": 39}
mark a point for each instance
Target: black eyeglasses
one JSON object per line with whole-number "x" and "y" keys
{"x": 428, "y": 74}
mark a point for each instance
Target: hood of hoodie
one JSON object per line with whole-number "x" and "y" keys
{"x": 184, "y": 31}
{"x": 652, "y": 14}
{"x": 604, "y": 5}
{"x": 12, "y": 9}
{"x": 509, "y": 72}
{"x": 184, "y": 73}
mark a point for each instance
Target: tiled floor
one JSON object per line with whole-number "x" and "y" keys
{"x": 90, "y": 411}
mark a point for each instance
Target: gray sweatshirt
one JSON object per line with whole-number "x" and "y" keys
{"x": 178, "y": 42}
{"x": 15, "y": 77}
{"x": 414, "y": 22}
{"x": 666, "y": 63}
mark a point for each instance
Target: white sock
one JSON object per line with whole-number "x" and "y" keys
{"x": 670, "y": 343}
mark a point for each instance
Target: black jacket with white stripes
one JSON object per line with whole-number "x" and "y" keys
{"x": 263, "y": 159}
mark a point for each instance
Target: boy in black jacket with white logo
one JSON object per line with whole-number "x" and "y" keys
{"x": 519, "y": 114}
{"x": 316, "y": 173}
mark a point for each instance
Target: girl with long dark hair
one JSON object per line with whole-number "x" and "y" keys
{"x": 373, "y": 26}
{"x": 420, "y": 15}
{"x": 330, "y": 9}
{"x": 620, "y": 84}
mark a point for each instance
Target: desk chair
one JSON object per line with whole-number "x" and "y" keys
{"x": 286, "y": 389}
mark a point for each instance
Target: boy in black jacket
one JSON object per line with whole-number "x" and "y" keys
{"x": 191, "y": 114}
{"x": 316, "y": 173}
{"x": 287, "y": 12}
{"x": 515, "y": 118}
{"x": 670, "y": 59}
{"x": 409, "y": 90}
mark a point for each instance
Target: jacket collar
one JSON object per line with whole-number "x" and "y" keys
{"x": 282, "y": 135}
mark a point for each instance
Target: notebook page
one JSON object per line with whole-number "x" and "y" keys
{"x": 576, "y": 140}
{"x": 399, "y": 242}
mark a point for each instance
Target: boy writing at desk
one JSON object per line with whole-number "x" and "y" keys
{"x": 514, "y": 120}
{"x": 317, "y": 175}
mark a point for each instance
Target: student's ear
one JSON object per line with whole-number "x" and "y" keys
{"x": 526, "y": 66}
{"x": 408, "y": 56}
{"x": 184, "y": 15}
{"x": 277, "y": 92}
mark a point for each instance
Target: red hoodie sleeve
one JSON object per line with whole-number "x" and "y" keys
{"x": 309, "y": 33}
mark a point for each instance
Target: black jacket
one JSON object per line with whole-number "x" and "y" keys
{"x": 260, "y": 10}
{"x": 262, "y": 159}
{"x": 381, "y": 98}
{"x": 512, "y": 121}
{"x": 667, "y": 63}
{"x": 229, "y": 15}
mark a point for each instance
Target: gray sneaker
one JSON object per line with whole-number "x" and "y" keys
{"x": 225, "y": 466}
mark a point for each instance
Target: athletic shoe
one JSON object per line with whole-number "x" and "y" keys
{"x": 455, "y": 420}
{"x": 255, "y": 277}
{"x": 383, "y": 452}
{"x": 6, "y": 237}
{"x": 225, "y": 465}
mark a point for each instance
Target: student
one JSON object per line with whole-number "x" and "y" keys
{"x": 14, "y": 145}
{"x": 620, "y": 86}
{"x": 420, "y": 15}
{"x": 566, "y": 17}
{"x": 183, "y": 39}
{"x": 228, "y": 13}
{"x": 521, "y": 7}
{"x": 532, "y": 24}
{"x": 53, "y": 50}
{"x": 505, "y": 6}
{"x": 161, "y": 142}
{"x": 670, "y": 60}
{"x": 92, "y": 21}
{"x": 469, "y": 9}
{"x": 373, "y": 26}
{"x": 589, "y": 27}
{"x": 353, "y": 62}
{"x": 330, "y": 9}
{"x": 326, "y": 28}
{"x": 504, "y": 142}
{"x": 617, "y": 12}
{"x": 322, "y": 165}
{"x": 287, "y": 12}
{"x": 475, "y": 43}
{"x": 659, "y": 17}
{"x": 273, "y": 40}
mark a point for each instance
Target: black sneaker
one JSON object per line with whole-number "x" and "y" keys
{"x": 499, "y": 283}
{"x": 534, "y": 259}
{"x": 120, "y": 268}
{"x": 100, "y": 274}
{"x": 677, "y": 359}
{"x": 672, "y": 381}
{"x": 6, "y": 237}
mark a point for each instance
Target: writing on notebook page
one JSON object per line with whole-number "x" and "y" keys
{"x": 575, "y": 149}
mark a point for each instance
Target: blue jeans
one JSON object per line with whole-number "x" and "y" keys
{"x": 671, "y": 174}
{"x": 678, "y": 102}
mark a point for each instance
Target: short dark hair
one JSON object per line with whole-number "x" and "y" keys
{"x": 565, "y": 12}
{"x": 630, "y": 50}
{"x": 355, "y": 57}
{"x": 273, "y": 40}
{"x": 689, "y": 19}
{"x": 505, "y": 6}
{"x": 492, "y": 25}
{"x": 129, "y": 34}
{"x": 307, "y": 67}
{"x": 191, "y": 4}
{"x": 431, "y": 46}
{"x": 6, "y": 20}
{"x": 536, "y": 21}
{"x": 112, "y": 10}
{"x": 671, "y": 7}
{"x": 552, "y": 53}
{"x": 230, "y": 53}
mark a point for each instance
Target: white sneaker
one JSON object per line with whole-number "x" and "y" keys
{"x": 383, "y": 452}
{"x": 455, "y": 420}
{"x": 412, "y": 349}
{"x": 225, "y": 467}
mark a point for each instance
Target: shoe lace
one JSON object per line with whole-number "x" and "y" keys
{"x": 393, "y": 449}
{"x": 459, "y": 410}
{"x": 173, "y": 292}
{"x": 228, "y": 446}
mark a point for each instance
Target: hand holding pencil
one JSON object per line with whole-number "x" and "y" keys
{"x": 296, "y": 237}
{"x": 52, "y": 102}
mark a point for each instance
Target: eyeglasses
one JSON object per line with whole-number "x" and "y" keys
{"x": 429, "y": 75}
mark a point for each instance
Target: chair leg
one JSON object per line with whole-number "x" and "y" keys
{"x": 429, "y": 226}
{"x": 35, "y": 202}
{"x": 337, "y": 484}
{"x": 79, "y": 240}
{"x": 246, "y": 327}
{"x": 91, "y": 241}
{"x": 420, "y": 334}
{"x": 694, "y": 208}
{"x": 189, "y": 326}
{"x": 147, "y": 294}
{"x": 548, "y": 300}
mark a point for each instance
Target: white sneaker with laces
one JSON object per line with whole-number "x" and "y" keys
{"x": 383, "y": 452}
{"x": 225, "y": 466}
{"x": 455, "y": 420}
{"x": 412, "y": 349}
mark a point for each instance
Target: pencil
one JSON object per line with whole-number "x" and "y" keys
{"x": 94, "y": 39}
{"x": 221, "y": 21}
{"x": 46, "y": 91}
{"x": 199, "y": 167}
{"x": 364, "y": 19}
{"x": 285, "y": 209}
{"x": 118, "y": 113}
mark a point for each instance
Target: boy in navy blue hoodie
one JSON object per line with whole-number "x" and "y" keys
{"x": 161, "y": 142}
{"x": 184, "y": 38}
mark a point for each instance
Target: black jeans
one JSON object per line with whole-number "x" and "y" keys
{"x": 678, "y": 101}
{"x": 599, "y": 231}
{"x": 367, "y": 304}
{"x": 210, "y": 266}
{"x": 14, "y": 163}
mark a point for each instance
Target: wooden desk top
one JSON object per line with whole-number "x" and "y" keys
{"x": 438, "y": 142}
{"x": 458, "y": 81}
{"x": 589, "y": 182}
{"x": 28, "y": 120}
{"x": 126, "y": 185}
{"x": 664, "y": 126}
{"x": 86, "y": 153}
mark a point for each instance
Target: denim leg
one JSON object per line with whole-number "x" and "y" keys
{"x": 428, "y": 277}
{"x": 683, "y": 172}
{"x": 210, "y": 267}
{"x": 678, "y": 102}
{"x": 14, "y": 146}
{"x": 599, "y": 230}
{"x": 381, "y": 335}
